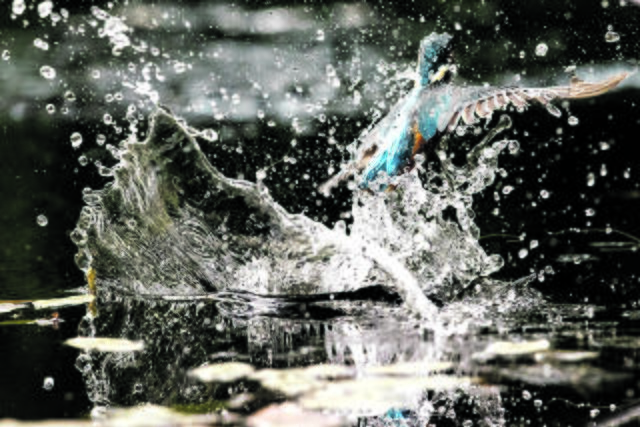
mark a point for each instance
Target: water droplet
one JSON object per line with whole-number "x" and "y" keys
{"x": 261, "y": 174}
{"x": 526, "y": 395}
{"x": 76, "y": 140}
{"x": 48, "y": 383}
{"x": 320, "y": 35}
{"x": 457, "y": 26}
{"x": 467, "y": 423}
{"x": 591, "y": 179}
{"x": 18, "y": 7}
{"x": 210, "y": 135}
{"x": 45, "y": 8}
{"x": 235, "y": 99}
{"x": 590, "y": 212}
{"x": 42, "y": 220}
{"x": 48, "y": 72}
{"x": 507, "y": 189}
{"x": 533, "y": 244}
{"x": 537, "y": 403}
{"x": 542, "y": 49}
{"x": 107, "y": 119}
{"x": 594, "y": 413}
{"x": 522, "y": 253}
{"x": 83, "y": 160}
{"x": 95, "y": 74}
{"x": 260, "y": 114}
{"x": 70, "y": 96}
{"x": 522, "y": 54}
{"x": 6, "y": 55}
{"x": 179, "y": 67}
{"x": 544, "y": 194}
{"x": 573, "y": 120}
{"x": 603, "y": 170}
{"x": 553, "y": 110}
{"x": 79, "y": 237}
{"x": 612, "y": 407}
{"x": 101, "y": 139}
{"x": 357, "y": 97}
{"x": 514, "y": 147}
{"x": 611, "y": 37}
{"x": 41, "y": 44}
{"x": 50, "y": 108}
{"x": 604, "y": 146}
{"x": 626, "y": 174}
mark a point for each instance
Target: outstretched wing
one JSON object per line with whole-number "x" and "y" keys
{"x": 481, "y": 102}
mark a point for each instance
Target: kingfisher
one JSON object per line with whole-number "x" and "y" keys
{"x": 435, "y": 107}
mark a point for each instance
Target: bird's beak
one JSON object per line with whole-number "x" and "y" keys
{"x": 439, "y": 75}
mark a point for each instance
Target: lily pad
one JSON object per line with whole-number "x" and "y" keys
{"x": 7, "y": 307}
{"x": 566, "y": 356}
{"x": 375, "y": 395}
{"x": 107, "y": 345}
{"x": 63, "y": 302}
{"x": 290, "y": 382}
{"x": 18, "y": 322}
{"x": 408, "y": 368}
{"x": 153, "y": 415}
{"x": 222, "y": 372}
{"x": 506, "y": 349}
{"x": 291, "y": 415}
{"x": 293, "y": 382}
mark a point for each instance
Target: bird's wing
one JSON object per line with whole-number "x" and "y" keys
{"x": 370, "y": 143}
{"x": 481, "y": 102}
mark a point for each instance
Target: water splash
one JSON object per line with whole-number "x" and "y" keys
{"x": 171, "y": 224}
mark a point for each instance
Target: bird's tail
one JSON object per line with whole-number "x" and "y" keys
{"x": 580, "y": 89}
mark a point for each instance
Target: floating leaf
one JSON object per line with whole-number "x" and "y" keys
{"x": 512, "y": 349}
{"x": 7, "y": 307}
{"x": 566, "y": 356}
{"x": 109, "y": 345}
{"x": 63, "y": 302}
{"x": 153, "y": 415}
{"x": 290, "y": 382}
{"x": 291, "y": 415}
{"x": 222, "y": 372}
{"x": 293, "y": 382}
{"x": 375, "y": 395}
{"x": 18, "y": 322}
{"x": 408, "y": 368}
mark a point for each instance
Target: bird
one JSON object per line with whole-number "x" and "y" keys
{"x": 435, "y": 107}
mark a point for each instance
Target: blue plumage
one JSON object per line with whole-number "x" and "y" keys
{"x": 435, "y": 106}
{"x": 414, "y": 112}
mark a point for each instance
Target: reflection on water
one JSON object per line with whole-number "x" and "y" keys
{"x": 546, "y": 363}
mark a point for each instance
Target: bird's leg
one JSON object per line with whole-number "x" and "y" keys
{"x": 418, "y": 141}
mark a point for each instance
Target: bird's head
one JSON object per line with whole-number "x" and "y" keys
{"x": 435, "y": 61}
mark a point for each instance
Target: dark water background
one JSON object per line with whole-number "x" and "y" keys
{"x": 40, "y": 173}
